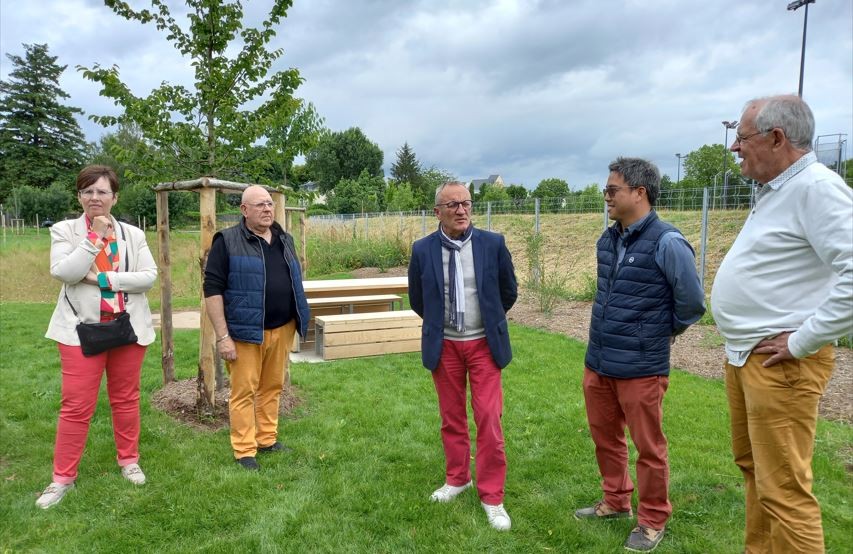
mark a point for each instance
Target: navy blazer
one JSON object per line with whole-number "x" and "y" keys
{"x": 497, "y": 291}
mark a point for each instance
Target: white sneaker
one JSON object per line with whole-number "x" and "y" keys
{"x": 448, "y": 492}
{"x": 52, "y": 495}
{"x": 133, "y": 473}
{"x": 498, "y": 518}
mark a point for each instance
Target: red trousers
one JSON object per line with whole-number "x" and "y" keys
{"x": 611, "y": 404}
{"x": 81, "y": 379}
{"x": 472, "y": 359}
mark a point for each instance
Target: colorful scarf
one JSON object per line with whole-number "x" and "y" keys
{"x": 107, "y": 260}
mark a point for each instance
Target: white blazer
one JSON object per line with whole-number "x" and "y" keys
{"x": 71, "y": 258}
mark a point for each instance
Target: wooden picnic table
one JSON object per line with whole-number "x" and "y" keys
{"x": 356, "y": 287}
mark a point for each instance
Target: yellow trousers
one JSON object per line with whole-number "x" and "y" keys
{"x": 257, "y": 376}
{"x": 773, "y": 417}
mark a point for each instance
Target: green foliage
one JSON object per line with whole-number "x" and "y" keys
{"x": 318, "y": 209}
{"x": 701, "y": 165}
{"x": 361, "y": 195}
{"x": 330, "y": 255}
{"x": 140, "y": 201}
{"x": 400, "y": 197}
{"x": 293, "y": 134}
{"x": 551, "y": 188}
{"x": 233, "y": 102}
{"x": 431, "y": 179}
{"x": 517, "y": 192}
{"x": 492, "y": 193}
{"x": 40, "y": 141}
{"x": 53, "y": 202}
{"x": 343, "y": 155}
{"x": 406, "y": 169}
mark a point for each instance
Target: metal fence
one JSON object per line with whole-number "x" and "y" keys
{"x": 570, "y": 225}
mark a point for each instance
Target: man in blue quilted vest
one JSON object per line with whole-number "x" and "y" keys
{"x": 254, "y": 298}
{"x": 648, "y": 293}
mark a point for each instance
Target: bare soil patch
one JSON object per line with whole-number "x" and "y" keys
{"x": 178, "y": 399}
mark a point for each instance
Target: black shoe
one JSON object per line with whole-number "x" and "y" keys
{"x": 248, "y": 462}
{"x": 643, "y": 539}
{"x": 274, "y": 447}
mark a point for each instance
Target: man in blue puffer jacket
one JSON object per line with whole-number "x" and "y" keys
{"x": 648, "y": 292}
{"x": 255, "y": 300}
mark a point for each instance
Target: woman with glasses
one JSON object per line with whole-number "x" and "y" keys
{"x": 105, "y": 268}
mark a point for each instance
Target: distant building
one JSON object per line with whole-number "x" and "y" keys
{"x": 492, "y": 180}
{"x": 314, "y": 188}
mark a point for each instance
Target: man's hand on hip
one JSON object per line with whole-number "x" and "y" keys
{"x": 777, "y": 347}
{"x": 227, "y": 349}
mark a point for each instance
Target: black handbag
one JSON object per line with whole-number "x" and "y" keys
{"x": 96, "y": 338}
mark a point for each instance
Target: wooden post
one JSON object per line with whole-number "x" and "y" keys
{"x": 303, "y": 254}
{"x": 206, "y": 363}
{"x": 281, "y": 218}
{"x": 280, "y": 213}
{"x": 38, "y": 227}
{"x": 167, "y": 339}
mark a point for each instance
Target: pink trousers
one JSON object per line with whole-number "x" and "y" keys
{"x": 472, "y": 359}
{"x": 81, "y": 379}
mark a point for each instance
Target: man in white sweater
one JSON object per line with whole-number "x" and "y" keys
{"x": 783, "y": 292}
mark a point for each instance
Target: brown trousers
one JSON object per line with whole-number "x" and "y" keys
{"x": 773, "y": 416}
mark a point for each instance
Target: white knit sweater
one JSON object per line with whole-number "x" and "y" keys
{"x": 791, "y": 266}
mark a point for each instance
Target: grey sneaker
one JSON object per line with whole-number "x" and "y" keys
{"x": 643, "y": 539}
{"x": 52, "y": 495}
{"x": 600, "y": 510}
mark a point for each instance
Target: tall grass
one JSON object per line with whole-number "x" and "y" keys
{"x": 366, "y": 454}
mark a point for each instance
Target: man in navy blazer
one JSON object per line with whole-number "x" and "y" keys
{"x": 462, "y": 283}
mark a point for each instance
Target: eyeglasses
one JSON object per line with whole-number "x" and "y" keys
{"x": 91, "y": 193}
{"x": 263, "y": 205}
{"x": 611, "y": 191}
{"x": 739, "y": 139}
{"x": 466, "y": 205}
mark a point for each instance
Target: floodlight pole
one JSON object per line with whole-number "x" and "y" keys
{"x": 793, "y": 6}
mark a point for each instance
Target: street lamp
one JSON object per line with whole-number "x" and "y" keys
{"x": 793, "y": 6}
{"x": 679, "y": 156}
{"x": 728, "y": 125}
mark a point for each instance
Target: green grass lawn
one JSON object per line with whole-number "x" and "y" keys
{"x": 366, "y": 455}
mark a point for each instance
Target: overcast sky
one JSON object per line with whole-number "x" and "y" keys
{"x": 525, "y": 89}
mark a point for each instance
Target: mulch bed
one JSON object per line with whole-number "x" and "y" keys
{"x": 178, "y": 399}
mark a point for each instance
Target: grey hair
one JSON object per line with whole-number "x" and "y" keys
{"x": 789, "y": 113}
{"x": 638, "y": 172}
{"x": 443, "y": 186}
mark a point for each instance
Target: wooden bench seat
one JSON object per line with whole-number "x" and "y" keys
{"x": 367, "y": 334}
{"x": 335, "y": 305}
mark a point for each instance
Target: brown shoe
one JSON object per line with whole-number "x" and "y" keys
{"x": 643, "y": 539}
{"x": 601, "y": 510}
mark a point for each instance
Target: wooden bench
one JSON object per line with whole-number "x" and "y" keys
{"x": 336, "y": 305}
{"x": 367, "y": 334}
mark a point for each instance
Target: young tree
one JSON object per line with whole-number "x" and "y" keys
{"x": 40, "y": 141}
{"x": 400, "y": 197}
{"x": 517, "y": 192}
{"x": 233, "y": 102}
{"x": 406, "y": 169}
{"x": 551, "y": 188}
{"x": 364, "y": 194}
{"x": 293, "y": 134}
{"x": 343, "y": 155}
{"x": 703, "y": 164}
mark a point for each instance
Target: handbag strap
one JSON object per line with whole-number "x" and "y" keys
{"x": 126, "y": 253}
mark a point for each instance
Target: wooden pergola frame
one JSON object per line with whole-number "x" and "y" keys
{"x": 206, "y": 188}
